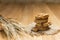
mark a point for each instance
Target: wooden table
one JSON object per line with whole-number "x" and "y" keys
{"x": 25, "y": 14}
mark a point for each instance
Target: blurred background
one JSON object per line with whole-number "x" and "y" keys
{"x": 27, "y": 1}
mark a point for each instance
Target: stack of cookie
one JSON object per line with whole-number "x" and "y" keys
{"x": 42, "y": 23}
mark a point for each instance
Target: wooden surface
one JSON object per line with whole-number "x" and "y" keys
{"x": 25, "y": 14}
